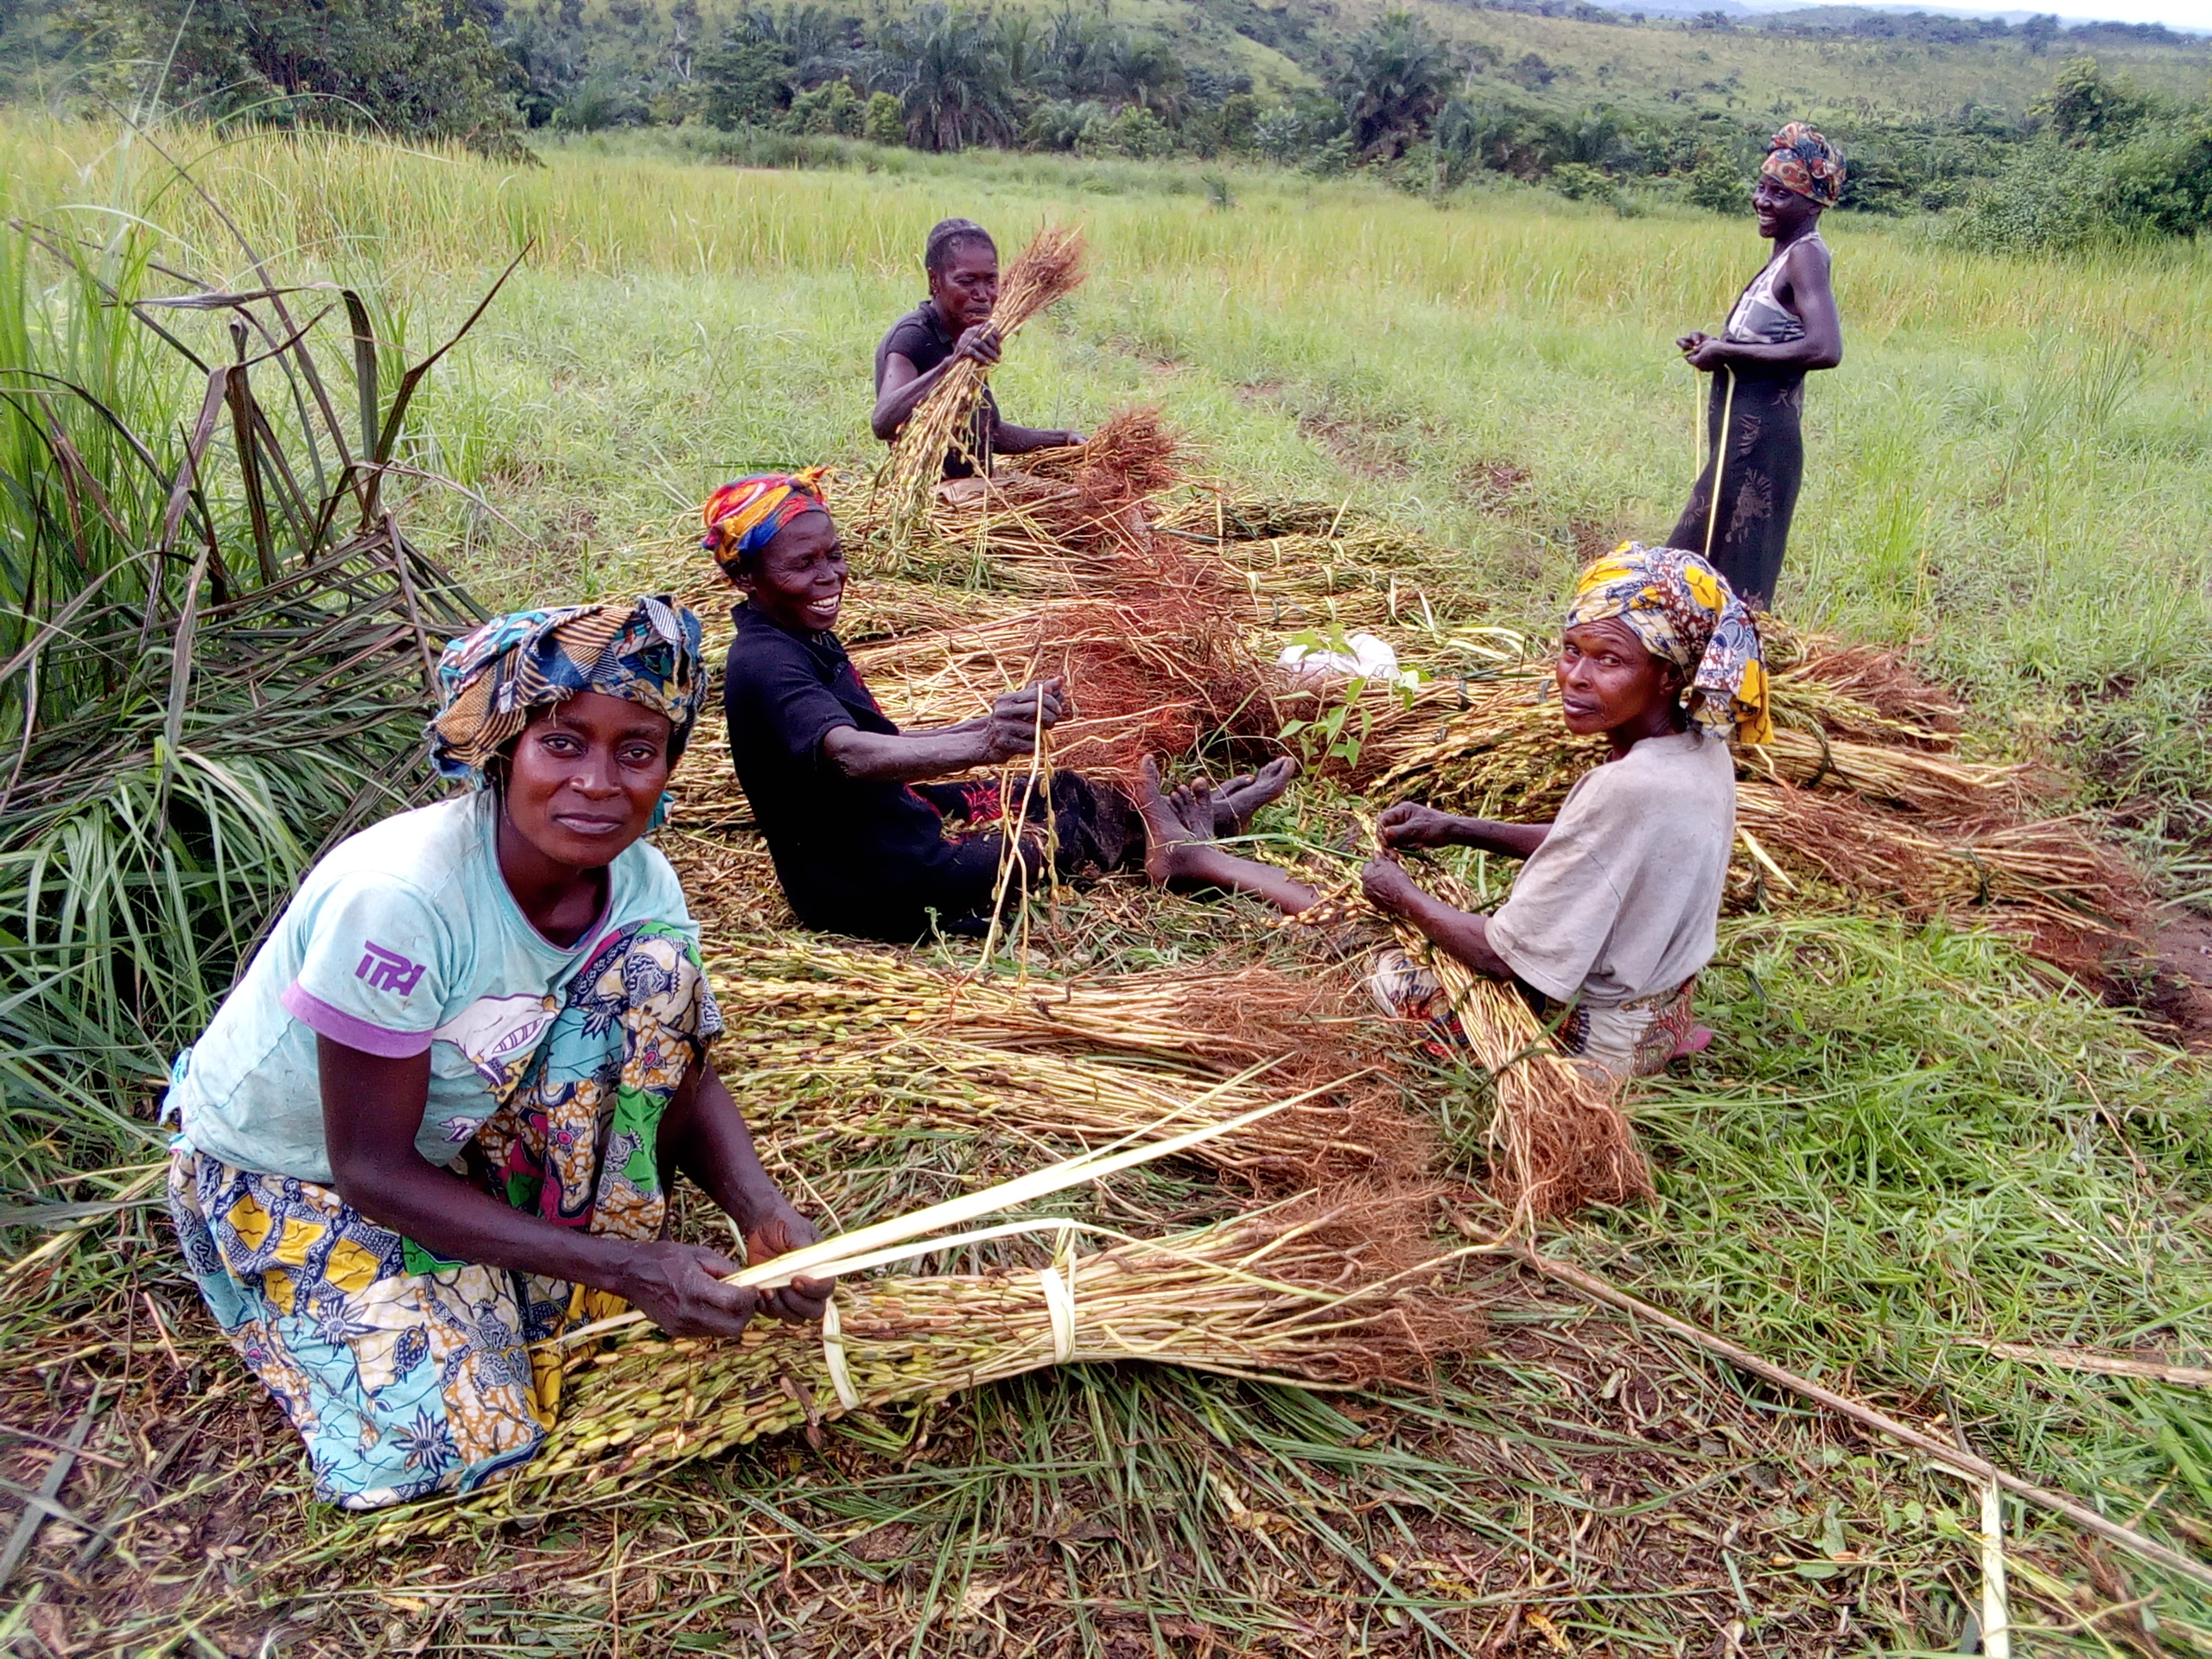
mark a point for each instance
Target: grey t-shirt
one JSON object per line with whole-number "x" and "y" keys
{"x": 1621, "y": 899}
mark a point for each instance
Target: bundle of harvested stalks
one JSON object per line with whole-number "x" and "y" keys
{"x": 1150, "y": 670}
{"x": 1335, "y": 1293}
{"x": 1078, "y": 512}
{"x": 1559, "y": 1140}
{"x": 803, "y": 1098}
{"x": 1220, "y": 1021}
{"x": 2050, "y": 881}
{"x": 1047, "y": 271}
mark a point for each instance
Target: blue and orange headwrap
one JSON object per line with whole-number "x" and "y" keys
{"x": 743, "y": 516}
{"x": 1684, "y": 612}
{"x": 644, "y": 651}
{"x": 1799, "y": 159}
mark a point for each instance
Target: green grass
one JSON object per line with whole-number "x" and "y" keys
{"x": 2010, "y": 473}
{"x": 1905, "y": 1137}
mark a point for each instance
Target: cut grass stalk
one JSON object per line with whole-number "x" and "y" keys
{"x": 1971, "y": 1464}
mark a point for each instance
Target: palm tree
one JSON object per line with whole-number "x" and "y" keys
{"x": 1393, "y": 81}
{"x": 948, "y": 67}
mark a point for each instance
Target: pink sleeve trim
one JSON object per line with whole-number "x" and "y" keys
{"x": 341, "y": 1026}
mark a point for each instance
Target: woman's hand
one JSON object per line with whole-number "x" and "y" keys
{"x": 679, "y": 1287}
{"x": 979, "y": 344}
{"x": 1706, "y": 354}
{"x": 1388, "y": 887}
{"x": 1409, "y": 824}
{"x": 779, "y": 1232}
{"x": 1011, "y": 728}
{"x": 1688, "y": 343}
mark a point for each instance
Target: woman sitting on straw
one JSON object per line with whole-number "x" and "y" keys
{"x": 1613, "y": 914}
{"x": 954, "y": 322}
{"x": 858, "y": 837}
{"x": 434, "y": 1121}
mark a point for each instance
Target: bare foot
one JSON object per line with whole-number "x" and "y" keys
{"x": 1696, "y": 1040}
{"x": 1235, "y": 801}
{"x": 1169, "y": 834}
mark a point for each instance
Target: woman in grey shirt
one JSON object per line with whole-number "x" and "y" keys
{"x": 1613, "y": 913}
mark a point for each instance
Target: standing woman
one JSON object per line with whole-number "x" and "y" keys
{"x": 1784, "y": 325}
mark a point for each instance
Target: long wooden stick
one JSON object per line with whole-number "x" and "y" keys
{"x": 2086, "y": 1359}
{"x": 1976, "y": 1467}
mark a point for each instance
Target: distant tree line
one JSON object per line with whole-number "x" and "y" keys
{"x": 2096, "y": 159}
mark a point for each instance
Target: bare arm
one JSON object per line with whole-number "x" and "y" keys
{"x": 703, "y": 1134}
{"x": 372, "y": 1108}
{"x": 1408, "y": 825}
{"x": 1459, "y": 932}
{"x": 1805, "y": 290}
{"x": 903, "y": 387}
{"x": 1008, "y": 439}
{"x": 1009, "y": 731}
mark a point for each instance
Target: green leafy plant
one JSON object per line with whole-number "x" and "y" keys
{"x": 215, "y": 646}
{"x": 1346, "y": 719}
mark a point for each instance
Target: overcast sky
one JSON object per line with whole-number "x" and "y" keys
{"x": 2182, "y": 14}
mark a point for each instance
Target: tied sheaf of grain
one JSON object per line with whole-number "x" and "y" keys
{"x": 1334, "y": 1291}
{"x": 1047, "y": 271}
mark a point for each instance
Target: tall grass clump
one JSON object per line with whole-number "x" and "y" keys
{"x": 214, "y": 647}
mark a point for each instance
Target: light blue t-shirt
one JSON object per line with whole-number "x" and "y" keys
{"x": 404, "y": 938}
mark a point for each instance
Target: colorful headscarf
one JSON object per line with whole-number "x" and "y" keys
{"x": 743, "y": 516}
{"x": 1799, "y": 159}
{"x": 646, "y": 651}
{"x": 1683, "y": 611}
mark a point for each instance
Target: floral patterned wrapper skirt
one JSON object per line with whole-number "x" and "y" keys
{"x": 407, "y": 1374}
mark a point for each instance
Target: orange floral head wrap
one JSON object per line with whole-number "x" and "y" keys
{"x": 1799, "y": 159}
{"x": 743, "y": 516}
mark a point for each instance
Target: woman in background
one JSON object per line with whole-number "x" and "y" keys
{"x": 1784, "y": 326}
{"x": 962, "y": 264}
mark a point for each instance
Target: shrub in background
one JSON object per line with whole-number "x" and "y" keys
{"x": 834, "y": 108}
{"x": 1717, "y": 188}
{"x": 1134, "y": 132}
{"x": 1579, "y": 181}
{"x": 884, "y": 121}
{"x": 743, "y": 81}
{"x": 414, "y": 66}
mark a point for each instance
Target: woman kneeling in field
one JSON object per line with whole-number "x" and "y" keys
{"x": 859, "y": 838}
{"x": 436, "y": 1121}
{"x": 1613, "y": 914}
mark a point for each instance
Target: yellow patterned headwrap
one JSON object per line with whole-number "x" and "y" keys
{"x": 1683, "y": 611}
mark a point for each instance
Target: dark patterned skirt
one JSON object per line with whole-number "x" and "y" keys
{"x": 1762, "y": 462}
{"x": 1094, "y": 830}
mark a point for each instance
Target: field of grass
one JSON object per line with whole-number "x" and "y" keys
{"x": 2010, "y": 472}
{"x": 1906, "y": 1137}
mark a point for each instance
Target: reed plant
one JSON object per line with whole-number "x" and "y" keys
{"x": 215, "y": 646}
